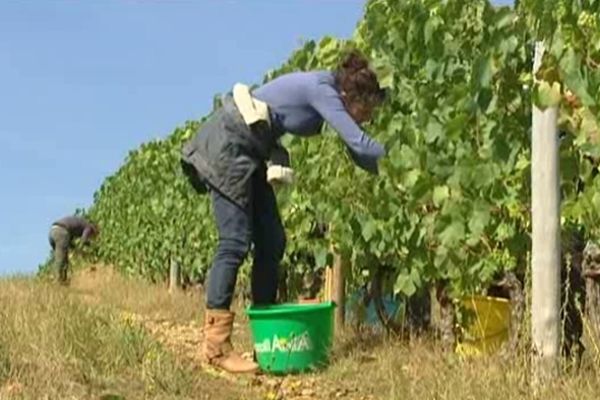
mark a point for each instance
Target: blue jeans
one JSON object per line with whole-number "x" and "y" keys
{"x": 258, "y": 224}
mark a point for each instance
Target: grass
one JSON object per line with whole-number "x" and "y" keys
{"x": 420, "y": 370}
{"x": 54, "y": 344}
{"x": 105, "y": 287}
{"x": 111, "y": 335}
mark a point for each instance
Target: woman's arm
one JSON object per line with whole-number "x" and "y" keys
{"x": 364, "y": 151}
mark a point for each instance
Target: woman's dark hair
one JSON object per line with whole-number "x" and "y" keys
{"x": 357, "y": 80}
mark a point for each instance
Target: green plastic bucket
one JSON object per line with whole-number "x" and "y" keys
{"x": 291, "y": 338}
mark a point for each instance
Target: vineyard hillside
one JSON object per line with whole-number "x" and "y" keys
{"x": 452, "y": 198}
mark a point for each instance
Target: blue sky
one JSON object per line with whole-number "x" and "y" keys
{"x": 84, "y": 82}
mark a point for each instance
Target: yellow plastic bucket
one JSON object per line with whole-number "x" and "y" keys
{"x": 487, "y": 326}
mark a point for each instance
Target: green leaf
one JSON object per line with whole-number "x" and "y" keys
{"x": 452, "y": 234}
{"x": 431, "y": 69}
{"x": 569, "y": 167}
{"x": 485, "y": 99}
{"x": 573, "y": 79}
{"x": 405, "y": 285}
{"x": 547, "y": 95}
{"x": 440, "y": 193}
{"x": 321, "y": 257}
{"x": 385, "y": 73}
{"x": 479, "y": 219}
{"x": 433, "y": 131}
{"x": 430, "y": 27}
{"x": 368, "y": 229}
{"x": 504, "y": 231}
{"x": 482, "y": 71}
{"x": 504, "y": 18}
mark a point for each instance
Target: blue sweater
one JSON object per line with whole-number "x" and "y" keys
{"x": 301, "y": 101}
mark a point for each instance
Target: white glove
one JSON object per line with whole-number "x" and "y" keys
{"x": 280, "y": 175}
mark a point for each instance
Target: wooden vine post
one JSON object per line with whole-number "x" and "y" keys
{"x": 546, "y": 247}
{"x": 339, "y": 290}
{"x": 174, "y": 277}
{"x": 335, "y": 288}
{"x": 591, "y": 271}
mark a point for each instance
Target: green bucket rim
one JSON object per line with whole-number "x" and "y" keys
{"x": 287, "y": 308}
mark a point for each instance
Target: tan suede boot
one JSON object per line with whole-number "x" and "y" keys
{"x": 217, "y": 348}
